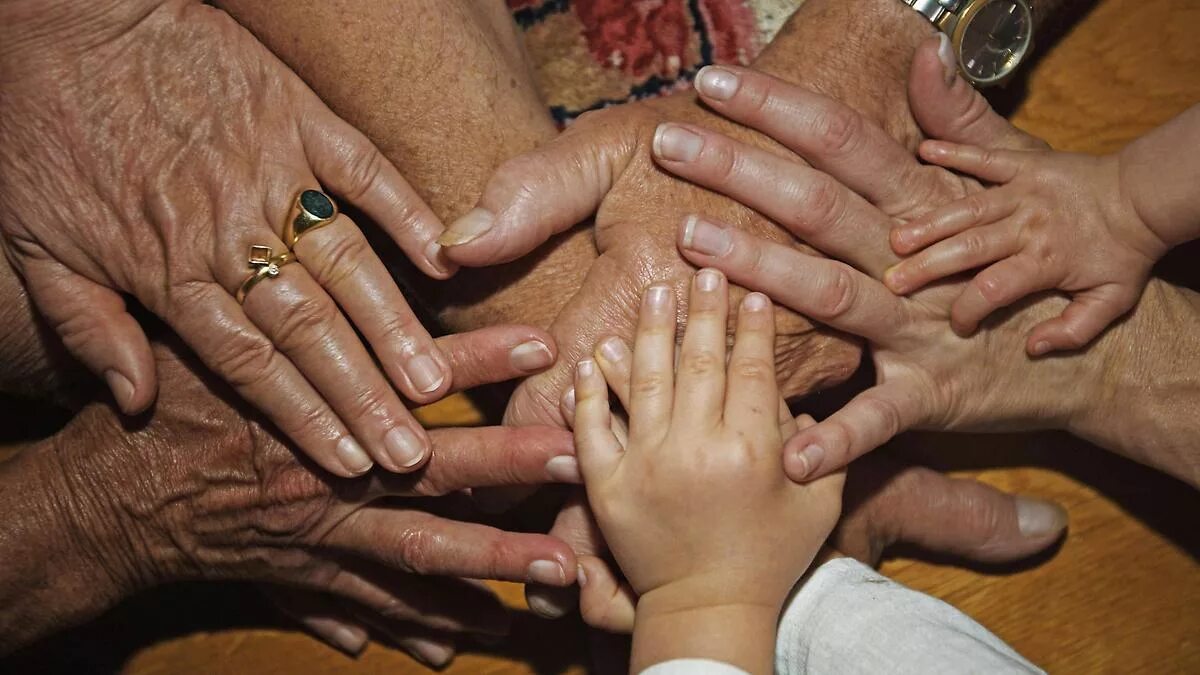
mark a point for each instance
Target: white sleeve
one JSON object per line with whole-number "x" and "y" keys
{"x": 693, "y": 667}
{"x": 848, "y": 619}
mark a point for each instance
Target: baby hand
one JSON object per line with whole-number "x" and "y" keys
{"x": 1052, "y": 221}
{"x": 694, "y": 503}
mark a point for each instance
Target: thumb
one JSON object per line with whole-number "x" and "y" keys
{"x": 948, "y": 108}
{"x": 534, "y": 196}
{"x": 95, "y": 328}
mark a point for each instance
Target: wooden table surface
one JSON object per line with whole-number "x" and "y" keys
{"x": 1122, "y": 593}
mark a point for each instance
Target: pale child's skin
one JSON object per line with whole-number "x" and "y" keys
{"x": 1089, "y": 226}
{"x": 693, "y": 499}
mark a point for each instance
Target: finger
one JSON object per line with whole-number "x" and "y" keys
{"x": 537, "y": 195}
{"x": 305, "y": 324}
{"x": 616, "y": 362}
{"x": 888, "y": 503}
{"x": 949, "y": 108}
{"x": 833, "y": 137}
{"x": 700, "y": 381}
{"x": 344, "y": 160}
{"x": 995, "y": 287}
{"x": 95, "y": 328}
{"x": 216, "y": 328}
{"x": 597, "y": 447}
{"x": 606, "y": 602}
{"x": 868, "y": 421}
{"x": 432, "y": 649}
{"x": 575, "y": 526}
{"x": 995, "y": 166}
{"x": 466, "y": 458}
{"x": 1082, "y": 321}
{"x": 830, "y": 292}
{"x": 422, "y": 543}
{"x": 321, "y": 615}
{"x": 339, "y": 258}
{"x": 439, "y": 603}
{"x": 973, "y": 248}
{"x": 752, "y": 397}
{"x": 496, "y": 354}
{"x": 977, "y": 209}
{"x": 811, "y": 204}
{"x": 652, "y": 383}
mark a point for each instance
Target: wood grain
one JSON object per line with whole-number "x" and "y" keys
{"x": 1121, "y": 595}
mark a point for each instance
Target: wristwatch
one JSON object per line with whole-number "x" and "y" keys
{"x": 990, "y": 37}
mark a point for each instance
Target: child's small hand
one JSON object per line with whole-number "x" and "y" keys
{"x": 1053, "y": 221}
{"x": 695, "y": 505}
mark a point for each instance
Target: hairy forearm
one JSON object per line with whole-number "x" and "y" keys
{"x": 1144, "y": 384}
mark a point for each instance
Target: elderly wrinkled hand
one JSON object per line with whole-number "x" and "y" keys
{"x": 157, "y": 149}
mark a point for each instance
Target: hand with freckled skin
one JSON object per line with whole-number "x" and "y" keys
{"x": 148, "y": 145}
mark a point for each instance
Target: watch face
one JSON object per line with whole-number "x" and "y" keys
{"x": 995, "y": 39}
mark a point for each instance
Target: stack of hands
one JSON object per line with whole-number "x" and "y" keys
{"x": 288, "y": 454}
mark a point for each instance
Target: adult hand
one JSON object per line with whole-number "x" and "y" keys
{"x": 928, "y": 377}
{"x": 198, "y": 492}
{"x": 149, "y": 145}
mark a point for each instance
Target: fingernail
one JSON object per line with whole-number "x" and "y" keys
{"x": 404, "y": 447}
{"x": 703, "y": 237}
{"x": 352, "y": 456}
{"x": 121, "y": 387}
{"x": 530, "y": 356}
{"x": 893, "y": 279}
{"x": 656, "y": 297}
{"x": 586, "y": 368}
{"x": 613, "y": 350}
{"x": 350, "y": 640}
{"x": 810, "y": 458}
{"x": 676, "y": 144}
{"x": 708, "y": 280}
{"x": 1038, "y": 518}
{"x": 564, "y": 469}
{"x": 568, "y": 400}
{"x": 433, "y": 253}
{"x": 945, "y": 54}
{"x": 716, "y": 83}
{"x": 545, "y": 607}
{"x": 468, "y": 228}
{"x": 1041, "y": 348}
{"x": 424, "y": 372}
{"x": 755, "y": 302}
{"x": 433, "y": 653}
{"x": 546, "y": 572}
{"x": 581, "y": 575}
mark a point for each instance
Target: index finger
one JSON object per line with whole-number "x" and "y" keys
{"x": 830, "y": 292}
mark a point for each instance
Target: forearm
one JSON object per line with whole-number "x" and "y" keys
{"x": 740, "y": 635}
{"x": 1144, "y": 386}
{"x": 1158, "y": 174}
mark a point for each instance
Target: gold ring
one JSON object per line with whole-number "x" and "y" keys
{"x": 310, "y": 210}
{"x": 266, "y": 264}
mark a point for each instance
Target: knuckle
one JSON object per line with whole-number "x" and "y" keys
{"x": 651, "y": 384}
{"x": 994, "y": 288}
{"x": 886, "y": 415}
{"x": 974, "y": 111}
{"x": 975, "y": 206}
{"x": 835, "y": 295}
{"x": 245, "y": 359}
{"x": 417, "y": 549}
{"x": 338, "y": 259}
{"x": 698, "y": 362}
{"x": 820, "y": 202}
{"x": 364, "y": 169}
{"x": 837, "y": 130}
{"x": 752, "y": 368}
{"x": 304, "y": 322}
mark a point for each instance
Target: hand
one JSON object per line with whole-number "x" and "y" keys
{"x": 200, "y": 493}
{"x": 148, "y": 148}
{"x": 927, "y": 376}
{"x": 1054, "y": 221}
{"x": 702, "y": 460}
{"x": 701, "y": 456}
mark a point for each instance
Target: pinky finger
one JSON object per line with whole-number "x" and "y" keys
{"x": 868, "y": 421}
{"x": 995, "y": 166}
{"x": 994, "y": 288}
{"x": 1081, "y": 322}
{"x": 596, "y": 446}
{"x": 605, "y": 602}
{"x": 322, "y": 615}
